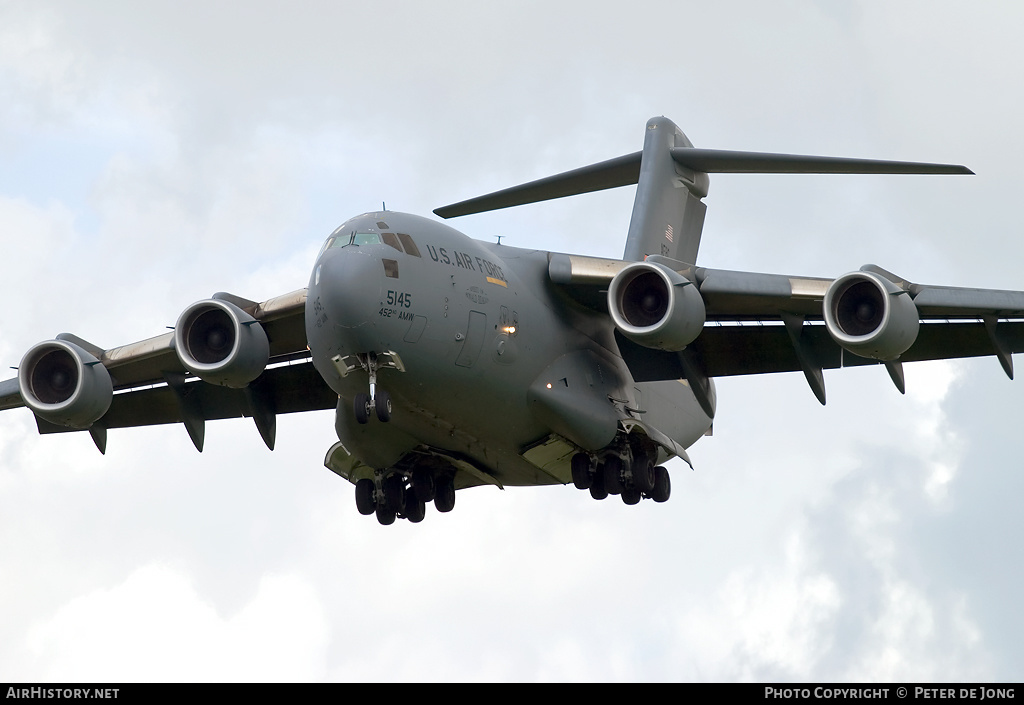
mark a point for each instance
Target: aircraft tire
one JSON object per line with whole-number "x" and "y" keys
{"x": 382, "y": 405}
{"x": 612, "y": 474}
{"x": 384, "y": 514}
{"x": 581, "y": 476}
{"x": 394, "y": 492}
{"x": 643, "y": 475}
{"x": 415, "y": 508}
{"x": 631, "y": 495}
{"x": 444, "y": 500}
{"x": 423, "y": 483}
{"x": 361, "y": 407}
{"x": 365, "y": 502}
{"x": 597, "y": 490}
{"x": 662, "y": 485}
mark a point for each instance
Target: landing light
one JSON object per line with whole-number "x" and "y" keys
{"x": 510, "y": 330}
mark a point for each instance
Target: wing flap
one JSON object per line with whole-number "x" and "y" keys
{"x": 288, "y": 388}
{"x": 725, "y": 351}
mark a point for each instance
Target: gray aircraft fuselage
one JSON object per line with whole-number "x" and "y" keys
{"x": 495, "y": 358}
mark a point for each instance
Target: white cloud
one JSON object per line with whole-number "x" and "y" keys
{"x": 154, "y": 626}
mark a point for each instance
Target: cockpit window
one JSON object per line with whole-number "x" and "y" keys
{"x": 409, "y": 245}
{"x": 353, "y": 237}
{"x": 327, "y": 245}
{"x": 365, "y": 239}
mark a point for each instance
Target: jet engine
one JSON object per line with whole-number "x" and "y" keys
{"x": 64, "y": 384}
{"x": 221, "y": 344}
{"x": 655, "y": 306}
{"x": 870, "y": 316}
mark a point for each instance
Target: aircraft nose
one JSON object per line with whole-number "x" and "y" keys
{"x": 346, "y": 296}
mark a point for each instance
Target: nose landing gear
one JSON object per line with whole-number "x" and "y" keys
{"x": 378, "y": 401}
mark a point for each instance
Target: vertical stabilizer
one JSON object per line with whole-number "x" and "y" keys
{"x": 668, "y": 213}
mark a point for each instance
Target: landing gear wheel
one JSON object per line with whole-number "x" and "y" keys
{"x": 384, "y": 514}
{"x": 631, "y": 495}
{"x": 361, "y": 406}
{"x": 444, "y": 500}
{"x": 581, "y": 476}
{"x": 423, "y": 483}
{"x": 415, "y": 508}
{"x": 643, "y": 475}
{"x": 613, "y": 474}
{"x": 382, "y": 405}
{"x": 365, "y": 502}
{"x": 662, "y": 486}
{"x": 394, "y": 492}
{"x": 597, "y": 490}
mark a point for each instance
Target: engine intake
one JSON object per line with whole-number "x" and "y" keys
{"x": 870, "y": 316}
{"x": 655, "y": 306}
{"x": 64, "y": 384}
{"x": 221, "y": 344}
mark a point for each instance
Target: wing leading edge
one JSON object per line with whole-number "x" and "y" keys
{"x": 764, "y": 323}
{"x": 152, "y": 386}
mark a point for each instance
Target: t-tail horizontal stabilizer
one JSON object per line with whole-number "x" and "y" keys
{"x": 668, "y": 213}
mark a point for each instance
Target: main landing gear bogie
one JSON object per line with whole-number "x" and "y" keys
{"x": 404, "y": 495}
{"x": 632, "y": 476}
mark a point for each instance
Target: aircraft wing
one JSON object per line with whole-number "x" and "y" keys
{"x": 763, "y": 323}
{"x": 152, "y": 386}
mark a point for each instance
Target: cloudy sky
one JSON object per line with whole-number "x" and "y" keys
{"x": 154, "y": 153}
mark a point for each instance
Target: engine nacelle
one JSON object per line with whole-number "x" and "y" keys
{"x": 64, "y": 384}
{"x": 655, "y": 306}
{"x": 221, "y": 344}
{"x": 870, "y": 316}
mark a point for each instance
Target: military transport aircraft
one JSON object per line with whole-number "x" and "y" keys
{"x": 453, "y": 362}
